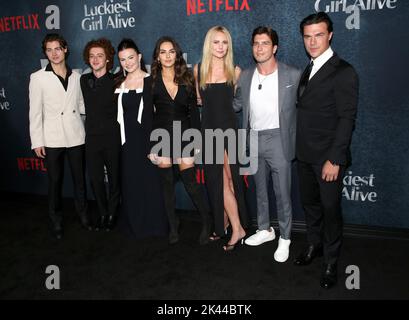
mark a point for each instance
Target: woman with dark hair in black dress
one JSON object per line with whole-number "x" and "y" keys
{"x": 174, "y": 97}
{"x": 142, "y": 202}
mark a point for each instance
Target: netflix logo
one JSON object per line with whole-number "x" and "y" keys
{"x": 200, "y": 178}
{"x": 31, "y": 164}
{"x": 203, "y": 6}
{"x": 29, "y": 21}
{"x": 32, "y": 21}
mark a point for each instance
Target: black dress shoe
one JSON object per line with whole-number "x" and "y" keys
{"x": 329, "y": 276}
{"x": 85, "y": 222}
{"x": 57, "y": 232}
{"x": 173, "y": 237}
{"x": 101, "y": 224}
{"x": 306, "y": 257}
{"x": 110, "y": 222}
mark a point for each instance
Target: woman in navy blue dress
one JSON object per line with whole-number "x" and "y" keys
{"x": 142, "y": 206}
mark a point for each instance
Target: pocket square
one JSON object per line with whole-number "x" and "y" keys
{"x": 289, "y": 86}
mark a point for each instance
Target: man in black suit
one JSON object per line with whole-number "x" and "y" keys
{"x": 103, "y": 140}
{"x": 326, "y": 112}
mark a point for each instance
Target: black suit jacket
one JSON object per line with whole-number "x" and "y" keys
{"x": 100, "y": 106}
{"x": 326, "y": 113}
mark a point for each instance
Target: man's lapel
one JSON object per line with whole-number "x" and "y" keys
{"x": 282, "y": 83}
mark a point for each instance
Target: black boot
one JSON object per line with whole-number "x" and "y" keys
{"x": 195, "y": 193}
{"x": 169, "y": 197}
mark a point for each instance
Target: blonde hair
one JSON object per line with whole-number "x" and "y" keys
{"x": 206, "y": 65}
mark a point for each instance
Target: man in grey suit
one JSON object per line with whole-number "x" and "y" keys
{"x": 266, "y": 95}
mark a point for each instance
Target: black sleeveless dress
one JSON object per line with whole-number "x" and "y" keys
{"x": 218, "y": 113}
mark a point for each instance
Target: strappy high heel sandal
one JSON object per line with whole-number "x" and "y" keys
{"x": 214, "y": 237}
{"x": 231, "y": 247}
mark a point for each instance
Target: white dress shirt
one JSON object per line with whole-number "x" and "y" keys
{"x": 320, "y": 61}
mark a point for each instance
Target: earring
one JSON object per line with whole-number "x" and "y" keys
{"x": 124, "y": 72}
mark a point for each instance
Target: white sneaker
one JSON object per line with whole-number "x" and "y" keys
{"x": 283, "y": 250}
{"x": 260, "y": 237}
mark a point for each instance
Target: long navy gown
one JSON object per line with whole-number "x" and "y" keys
{"x": 142, "y": 207}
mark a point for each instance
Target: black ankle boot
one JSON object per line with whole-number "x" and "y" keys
{"x": 195, "y": 193}
{"x": 169, "y": 198}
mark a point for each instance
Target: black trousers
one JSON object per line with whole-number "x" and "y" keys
{"x": 321, "y": 202}
{"x": 102, "y": 152}
{"x": 55, "y": 158}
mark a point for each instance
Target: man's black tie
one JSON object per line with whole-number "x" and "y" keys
{"x": 305, "y": 78}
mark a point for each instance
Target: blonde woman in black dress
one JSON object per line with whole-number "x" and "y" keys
{"x": 216, "y": 77}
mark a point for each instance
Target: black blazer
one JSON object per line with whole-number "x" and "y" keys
{"x": 326, "y": 113}
{"x": 100, "y": 106}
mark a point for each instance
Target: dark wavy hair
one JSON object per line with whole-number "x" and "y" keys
{"x": 316, "y": 18}
{"x": 183, "y": 76}
{"x": 50, "y": 37}
{"x": 100, "y": 43}
{"x": 127, "y": 44}
{"x": 268, "y": 31}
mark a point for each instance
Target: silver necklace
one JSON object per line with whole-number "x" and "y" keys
{"x": 260, "y": 83}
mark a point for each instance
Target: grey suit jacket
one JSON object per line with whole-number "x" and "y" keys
{"x": 288, "y": 78}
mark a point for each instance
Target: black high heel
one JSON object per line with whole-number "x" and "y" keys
{"x": 214, "y": 237}
{"x": 231, "y": 247}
